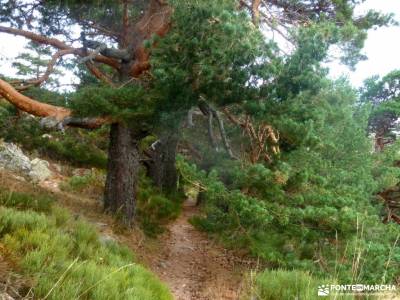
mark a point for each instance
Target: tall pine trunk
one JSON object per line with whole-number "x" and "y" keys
{"x": 122, "y": 173}
{"x": 162, "y": 169}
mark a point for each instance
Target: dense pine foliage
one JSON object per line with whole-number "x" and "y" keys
{"x": 280, "y": 156}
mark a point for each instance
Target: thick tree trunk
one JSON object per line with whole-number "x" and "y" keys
{"x": 162, "y": 168}
{"x": 122, "y": 173}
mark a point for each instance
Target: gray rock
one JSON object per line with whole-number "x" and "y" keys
{"x": 12, "y": 158}
{"x": 40, "y": 170}
{"x": 49, "y": 123}
{"x": 105, "y": 239}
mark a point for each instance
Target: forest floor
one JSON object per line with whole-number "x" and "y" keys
{"x": 193, "y": 266}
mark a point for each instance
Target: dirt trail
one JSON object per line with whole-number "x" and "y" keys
{"x": 193, "y": 267}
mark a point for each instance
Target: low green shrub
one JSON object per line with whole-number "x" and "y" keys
{"x": 75, "y": 146}
{"x": 290, "y": 285}
{"x": 68, "y": 260}
{"x": 316, "y": 231}
{"x": 155, "y": 209}
{"x": 89, "y": 184}
{"x": 17, "y": 200}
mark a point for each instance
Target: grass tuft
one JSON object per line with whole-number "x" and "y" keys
{"x": 65, "y": 258}
{"x": 288, "y": 285}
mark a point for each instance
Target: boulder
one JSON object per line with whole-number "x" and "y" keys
{"x": 40, "y": 170}
{"x": 12, "y": 158}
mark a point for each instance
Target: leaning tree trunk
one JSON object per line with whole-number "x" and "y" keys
{"x": 162, "y": 168}
{"x": 122, "y": 173}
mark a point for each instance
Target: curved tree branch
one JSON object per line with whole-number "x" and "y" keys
{"x": 36, "y": 82}
{"x": 31, "y": 106}
{"x": 60, "y": 115}
{"x": 58, "y": 44}
{"x": 156, "y": 20}
{"x": 47, "y": 73}
{"x": 98, "y": 74}
{"x": 36, "y": 37}
{"x": 211, "y": 113}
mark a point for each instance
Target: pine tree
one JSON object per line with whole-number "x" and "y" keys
{"x": 203, "y": 53}
{"x": 33, "y": 64}
{"x": 382, "y": 94}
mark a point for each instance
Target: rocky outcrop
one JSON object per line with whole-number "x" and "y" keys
{"x": 13, "y": 159}
{"x": 40, "y": 170}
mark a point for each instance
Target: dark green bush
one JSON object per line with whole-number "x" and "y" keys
{"x": 155, "y": 209}
{"x": 314, "y": 203}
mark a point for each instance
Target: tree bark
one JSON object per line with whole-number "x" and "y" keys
{"x": 162, "y": 168}
{"x": 122, "y": 173}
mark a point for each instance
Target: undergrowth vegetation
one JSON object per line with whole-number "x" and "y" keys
{"x": 313, "y": 208}
{"x": 282, "y": 158}
{"x": 283, "y": 284}
{"x": 66, "y": 258}
{"x": 153, "y": 208}
{"x": 90, "y": 184}
{"x": 75, "y": 146}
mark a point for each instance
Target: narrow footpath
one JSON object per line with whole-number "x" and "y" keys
{"x": 192, "y": 266}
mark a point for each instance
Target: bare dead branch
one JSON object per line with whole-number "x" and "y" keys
{"x": 210, "y": 130}
{"x": 223, "y": 135}
{"x": 262, "y": 17}
{"x": 190, "y": 123}
{"x": 211, "y": 113}
{"x": 263, "y": 142}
